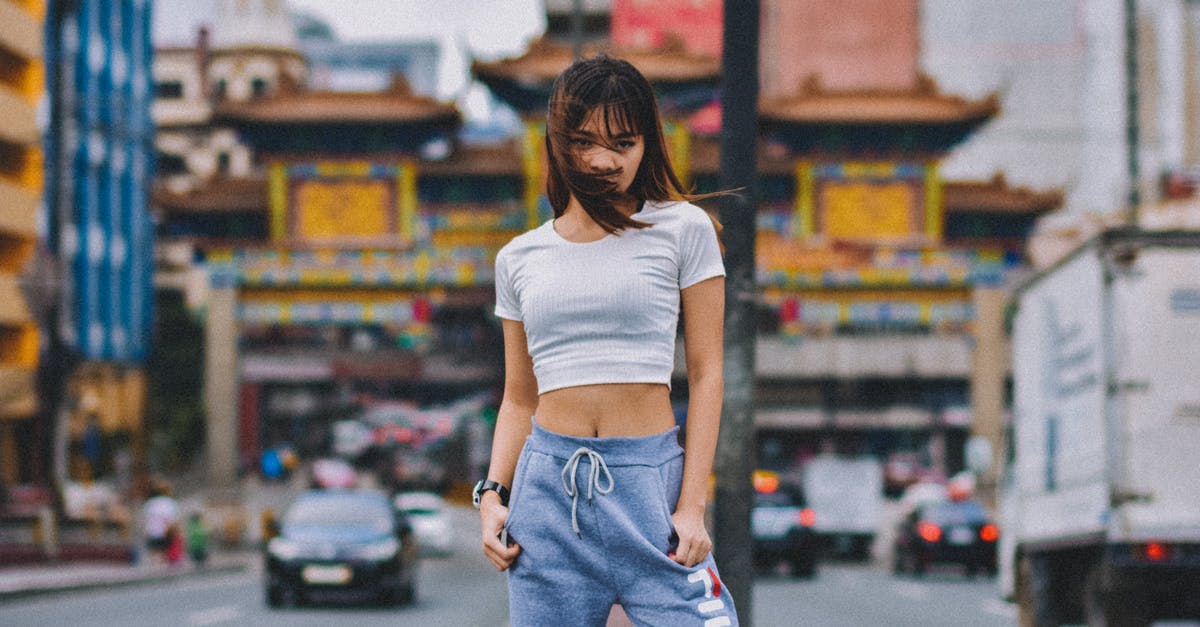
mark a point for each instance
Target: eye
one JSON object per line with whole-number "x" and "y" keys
{"x": 579, "y": 142}
{"x": 626, "y": 144}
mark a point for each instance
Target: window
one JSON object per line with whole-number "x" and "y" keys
{"x": 168, "y": 164}
{"x": 258, "y": 87}
{"x": 219, "y": 90}
{"x": 168, "y": 90}
{"x": 223, "y": 163}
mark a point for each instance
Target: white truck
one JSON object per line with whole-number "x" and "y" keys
{"x": 846, "y": 497}
{"x": 1100, "y": 488}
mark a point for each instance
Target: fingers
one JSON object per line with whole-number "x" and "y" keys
{"x": 501, "y": 556}
{"x": 498, "y": 550}
{"x": 692, "y": 549}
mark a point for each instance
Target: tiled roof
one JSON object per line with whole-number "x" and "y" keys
{"x": 218, "y": 195}
{"x": 922, "y": 105}
{"x": 996, "y": 196}
{"x": 480, "y": 160}
{"x": 295, "y": 106}
{"x": 546, "y": 59}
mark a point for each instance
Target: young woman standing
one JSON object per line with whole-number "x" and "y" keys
{"x": 590, "y": 500}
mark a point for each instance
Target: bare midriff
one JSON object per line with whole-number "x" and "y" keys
{"x": 607, "y": 410}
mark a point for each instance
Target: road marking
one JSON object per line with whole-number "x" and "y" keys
{"x": 212, "y": 616}
{"x": 1000, "y": 608}
{"x": 910, "y": 590}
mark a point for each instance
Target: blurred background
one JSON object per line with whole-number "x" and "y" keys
{"x": 238, "y": 237}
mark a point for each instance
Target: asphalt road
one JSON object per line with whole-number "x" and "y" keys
{"x": 463, "y": 590}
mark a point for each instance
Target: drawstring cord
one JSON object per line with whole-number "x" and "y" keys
{"x": 593, "y": 481}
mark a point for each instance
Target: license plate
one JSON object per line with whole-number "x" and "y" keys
{"x": 961, "y": 535}
{"x": 326, "y": 575}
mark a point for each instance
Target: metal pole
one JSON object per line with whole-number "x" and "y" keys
{"x": 1131, "y": 109}
{"x": 577, "y": 29}
{"x": 734, "y": 461}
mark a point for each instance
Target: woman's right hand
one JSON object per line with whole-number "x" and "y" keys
{"x": 492, "y": 516}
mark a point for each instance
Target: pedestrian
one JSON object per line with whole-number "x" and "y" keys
{"x": 196, "y": 535}
{"x": 160, "y": 514}
{"x": 590, "y": 500}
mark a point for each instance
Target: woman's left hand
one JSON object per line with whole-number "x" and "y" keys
{"x": 694, "y": 543}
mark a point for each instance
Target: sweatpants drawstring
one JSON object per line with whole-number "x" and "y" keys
{"x": 593, "y": 481}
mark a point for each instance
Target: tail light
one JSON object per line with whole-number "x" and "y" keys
{"x": 808, "y": 517}
{"x": 929, "y": 532}
{"x": 1155, "y": 552}
{"x": 989, "y": 533}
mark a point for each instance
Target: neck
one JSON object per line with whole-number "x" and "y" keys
{"x": 627, "y": 205}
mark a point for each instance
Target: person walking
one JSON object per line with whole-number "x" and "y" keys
{"x": 160, "y": 517}
{"x": 590, "y": 499}
{"x": 196, "y": 539}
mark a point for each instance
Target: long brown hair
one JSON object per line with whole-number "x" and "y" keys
{"x": 623, "y": 99}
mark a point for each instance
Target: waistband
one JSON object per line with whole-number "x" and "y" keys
{"x": 650, "y": 450}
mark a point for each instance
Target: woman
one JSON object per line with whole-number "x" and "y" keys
{"x": 606, "y": 507}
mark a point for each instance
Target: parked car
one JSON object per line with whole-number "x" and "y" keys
{"x": 341, "y": 544}
{"x": 950, "y": 531}
{"x": 430, "y": 518}
{"x": 781, "y": 525}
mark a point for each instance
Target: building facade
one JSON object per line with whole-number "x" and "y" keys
{"x": 21, "y": 191}
{"x": 99, "y": 163}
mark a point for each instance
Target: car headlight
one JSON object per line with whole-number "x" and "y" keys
{"x": 379, "y": 551}
{"x": 283, "y": 549}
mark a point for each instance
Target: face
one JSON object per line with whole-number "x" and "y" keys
{"x": 620, "y": 154}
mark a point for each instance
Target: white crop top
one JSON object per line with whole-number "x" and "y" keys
{"x": 606, "y": 311}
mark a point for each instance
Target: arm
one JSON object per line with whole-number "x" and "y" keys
{"x": 703, "y": 335}
{"x": 513, "y": 425}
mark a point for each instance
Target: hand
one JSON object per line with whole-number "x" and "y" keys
{"x": 694, "y": 543}
{"x": 492, "y": 516}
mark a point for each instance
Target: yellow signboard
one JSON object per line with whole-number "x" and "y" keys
{"x": 860, "y": 210}
{"x": 333, "y": 209}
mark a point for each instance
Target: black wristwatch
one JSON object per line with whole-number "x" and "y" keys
{"x": 484, "y": 486}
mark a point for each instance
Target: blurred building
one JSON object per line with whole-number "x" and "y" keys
{"x": 871, "y": 266}
{"x": 99, "y": 161}
{"x": 350, "y": 259}
{"x": 1061, "y": 69}
{"x": 22, "y": 72}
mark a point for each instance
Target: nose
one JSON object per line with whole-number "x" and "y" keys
{"x": 600, "y": 159}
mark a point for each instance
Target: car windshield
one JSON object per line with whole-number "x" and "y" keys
{"x": 956, "y": 513}
{"x": 339, "y": 512}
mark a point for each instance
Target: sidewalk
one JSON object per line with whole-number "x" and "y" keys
{"x": 36, "y": 579}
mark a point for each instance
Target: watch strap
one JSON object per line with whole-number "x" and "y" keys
{"x": 495, "y": 486}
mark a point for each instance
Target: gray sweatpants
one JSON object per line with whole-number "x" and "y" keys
{"x": 593, "y": 518}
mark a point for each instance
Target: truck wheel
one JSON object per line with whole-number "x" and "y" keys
{"x": 1035, "y": 599}
{"x": 1105, "y": 605}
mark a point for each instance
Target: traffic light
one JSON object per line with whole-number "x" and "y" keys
{"x": 21, "y": 87}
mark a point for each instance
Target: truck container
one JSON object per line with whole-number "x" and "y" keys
{"x": 1100, "y": 488}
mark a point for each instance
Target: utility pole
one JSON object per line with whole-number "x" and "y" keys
{"x": 1131, "y": 110}
{"x": 577, "y": 30}
{"x": 734, "y": 462}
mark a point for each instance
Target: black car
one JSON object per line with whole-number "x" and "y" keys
{"x": 781, "y": 525}
{"x": 341, "y": 544}
{"x": 954, "y": 532}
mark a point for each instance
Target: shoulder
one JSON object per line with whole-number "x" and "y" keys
{"x": 675, "y": 211}
{"x": 523, "y": 243}
{"x": 682, "y": 217}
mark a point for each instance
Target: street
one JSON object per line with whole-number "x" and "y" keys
{"x": 463, "y": 590}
